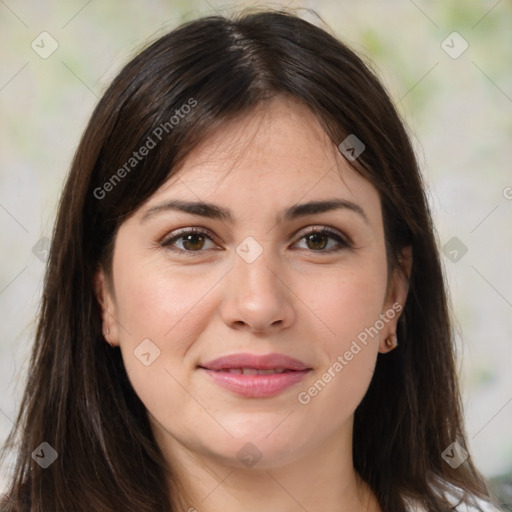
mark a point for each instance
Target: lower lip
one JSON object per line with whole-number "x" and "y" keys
{"x": 256, "y": 386}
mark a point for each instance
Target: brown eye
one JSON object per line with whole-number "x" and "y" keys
{"x": 318, "y": 239}
{"x": 191, "y": 240}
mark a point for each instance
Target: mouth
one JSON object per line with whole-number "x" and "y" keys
{"x": 255, "y": 376}
{"x": 253, "y": 371}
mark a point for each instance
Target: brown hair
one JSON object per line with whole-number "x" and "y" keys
{"x": 78, "y": 397}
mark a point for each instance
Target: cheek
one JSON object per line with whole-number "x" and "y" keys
{"x": 171, "y": 308}
{"x": 348, "y": 308}
{"x": 158, "y": 301}
{"x": 167, "y": 307}
{"x": 345, "y": 304}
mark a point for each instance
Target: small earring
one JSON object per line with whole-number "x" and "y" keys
{"x": 391, "y": 341}
{"x": 106, "y": 339}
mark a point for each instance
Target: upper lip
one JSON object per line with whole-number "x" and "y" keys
{"x": 259, "y": 362}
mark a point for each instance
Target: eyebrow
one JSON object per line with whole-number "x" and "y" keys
{"x": 213, "y": 211}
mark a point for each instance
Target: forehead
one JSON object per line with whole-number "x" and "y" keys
{"x": 278, "y": 153}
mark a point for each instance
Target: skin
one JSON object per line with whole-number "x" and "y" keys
{"x": 296, "y": 298}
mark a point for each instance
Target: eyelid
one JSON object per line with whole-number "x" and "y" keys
{"x": 199, "y": 230}
{"x": 320, "y": 228}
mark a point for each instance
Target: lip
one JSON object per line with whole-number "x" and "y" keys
{"x": 260, "y": 362}
{"x": 256, "y": 385}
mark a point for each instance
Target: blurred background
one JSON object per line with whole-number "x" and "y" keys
{"x": 446, "y": 64}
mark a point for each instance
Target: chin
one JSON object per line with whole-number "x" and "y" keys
{"x": 255, "y": 448}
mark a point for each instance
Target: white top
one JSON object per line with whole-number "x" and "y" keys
{"x": 486, "y": 507}
{"x": 454, "y": 498}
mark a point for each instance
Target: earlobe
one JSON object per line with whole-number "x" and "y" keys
{"x": 388, "y": 343}
{"x": 391, "y": 342}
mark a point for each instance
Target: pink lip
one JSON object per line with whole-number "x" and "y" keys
{"x": 256, "y": 386}
{"x": 260, "y": 362}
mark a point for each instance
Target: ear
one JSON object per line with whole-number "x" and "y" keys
{"x": 108, "y": 309}
{"x": 398, "y": 288}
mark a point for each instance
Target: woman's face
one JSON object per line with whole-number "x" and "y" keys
{"x": 258, "y": 285}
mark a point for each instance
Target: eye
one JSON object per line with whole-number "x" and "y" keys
{"x": 195, "y": 240}
{"x": 191, "y": 239}
{"x": 317, "y": 240}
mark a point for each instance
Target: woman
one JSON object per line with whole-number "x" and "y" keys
{"x": 244, "y": 307}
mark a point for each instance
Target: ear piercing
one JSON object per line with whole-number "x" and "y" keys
{"x": 107, "y": 340}
{"x": 391, "y": 341}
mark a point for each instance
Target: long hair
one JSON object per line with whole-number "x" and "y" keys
{"x": 78, "y": 398}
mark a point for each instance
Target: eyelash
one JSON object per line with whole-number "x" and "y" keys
{"x": 167, "y": 242}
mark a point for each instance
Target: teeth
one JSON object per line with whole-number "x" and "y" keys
{"x": 253, "y": 371}
{"x": 266, "y": 372}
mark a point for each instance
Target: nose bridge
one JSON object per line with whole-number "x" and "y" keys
{"x": 252, "y": 272}
{"x": 257, "y": 297}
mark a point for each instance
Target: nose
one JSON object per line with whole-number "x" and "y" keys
{"x": 257, "y": 298}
